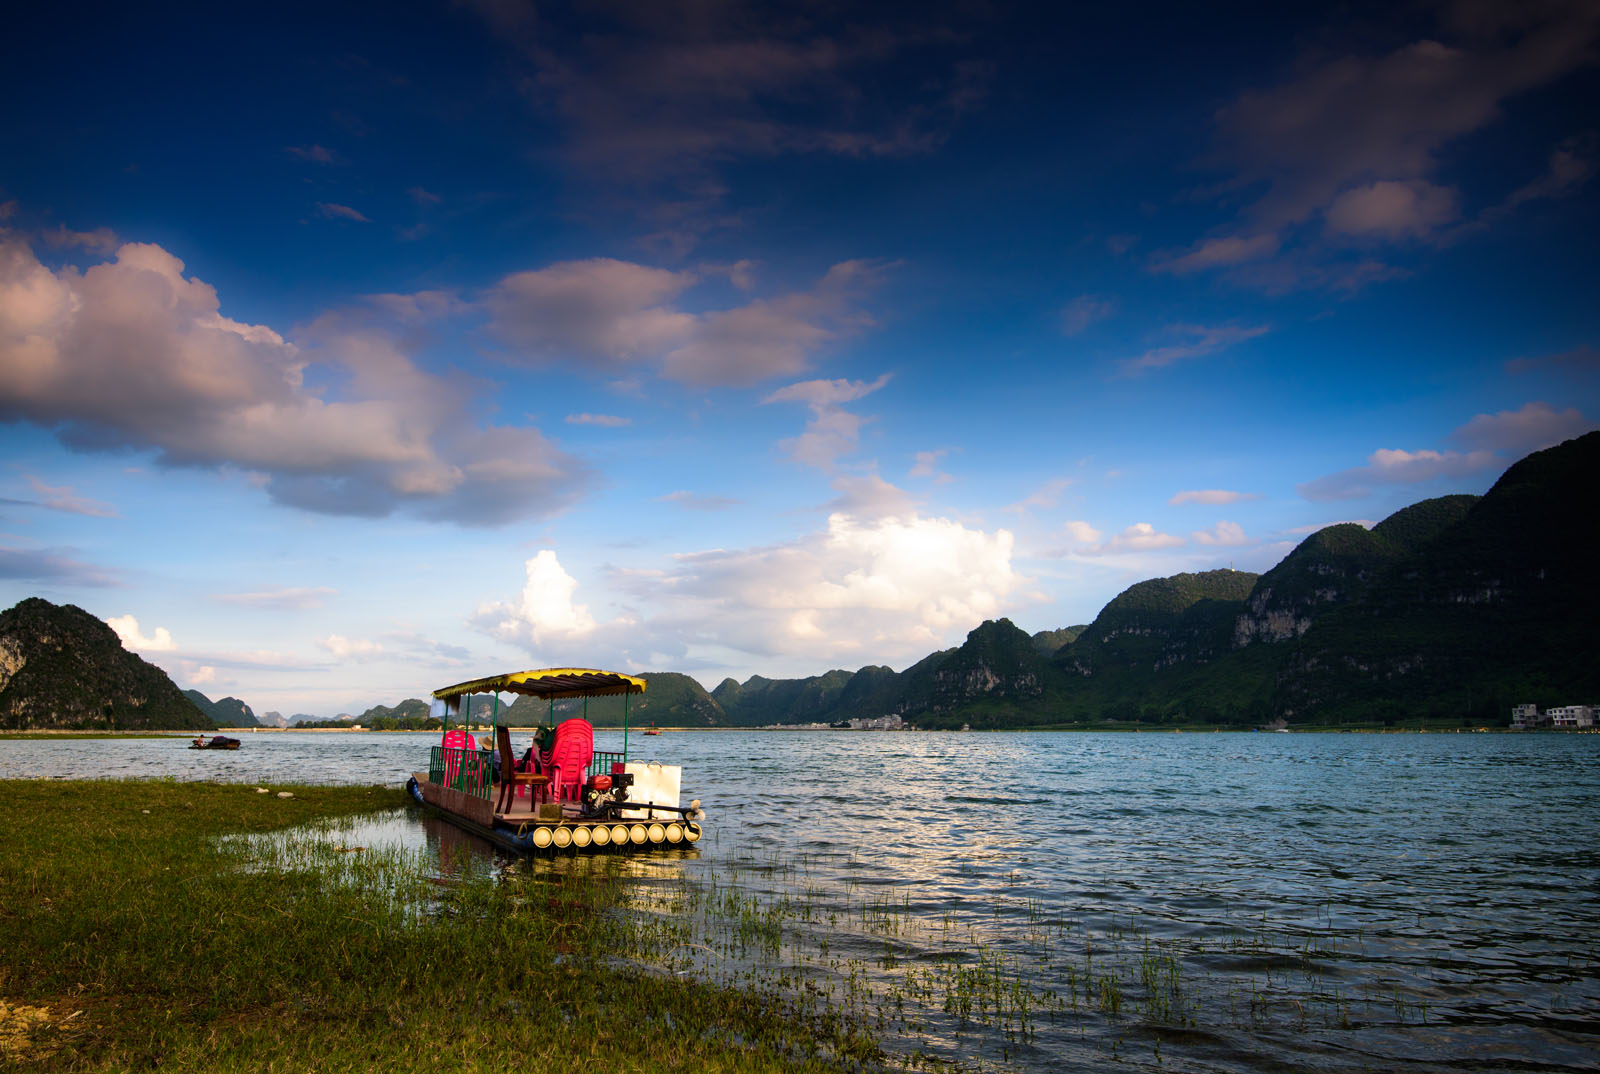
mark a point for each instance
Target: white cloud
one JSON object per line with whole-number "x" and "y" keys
{"x": 1203, "y": 340}
{"x": 280, "y": 597}
{"x": 1081, "y": 532}
{"x": 698, "y": 503}
{"x": 1139, "y": 537}
{"x": 1047, "y": 495}
{"x": 1083, "y": 311}
{"x": 870, "y": 496}
{"x": 927, "y": 465}
{"x": 601, "y": 310}
{"x": 886, "y": 590}
{"x": 351, "y": 648}
{"x": 131, "y": 354}
{"x": 1393, "y": 210}
{"x": 1227, "y": 534}
{"x": 1220, "y": 252}
{"x": 1212, "y": 496}
{"x": 544, "y": 613}
{"x": 1388, "y": 466}
{"x": 127, "y": 628}
{"x": 1517, "y": 432}
{"x": 334, "y": 211}
{"x": 611, "y": 313}
{"x": 831, "y": 431}
{"x": 608, "y": 421}
{"x": 66, "y": 499}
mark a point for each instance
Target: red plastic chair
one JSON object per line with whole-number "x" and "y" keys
{"x": 569, "y": 759}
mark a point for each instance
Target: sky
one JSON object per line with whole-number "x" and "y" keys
{"x": 348, "y": 351}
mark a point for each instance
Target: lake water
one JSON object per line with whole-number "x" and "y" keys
{"x": 1195, "y": 902}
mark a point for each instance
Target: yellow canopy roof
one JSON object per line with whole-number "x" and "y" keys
{"x": 550, "y": 682}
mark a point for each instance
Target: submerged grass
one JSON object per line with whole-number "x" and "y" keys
{"x": 141, "y": 934}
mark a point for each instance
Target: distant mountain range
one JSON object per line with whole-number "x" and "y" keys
{"x": 1459, "y": 606}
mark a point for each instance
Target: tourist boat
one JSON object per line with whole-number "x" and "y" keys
{"x": 570, "y": 795}
{"x": 216, "y": 742}
{"x": 651, "y": 731}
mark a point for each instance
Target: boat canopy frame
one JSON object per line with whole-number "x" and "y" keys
{"x": 551, "y": 683}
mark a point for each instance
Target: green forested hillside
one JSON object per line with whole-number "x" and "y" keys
{"x": 62, "y": 668}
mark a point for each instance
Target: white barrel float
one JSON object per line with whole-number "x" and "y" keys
{"x": 639, "y": 834}
{"x": 580, "y": 836}
{"x": 657, "y": 832}
{"x": 541, "y": 838}
{"x": 562, "y": 837}
{"x": 691, "y": 832}
{"x": 674, "y": 832}
{"x": 619, "y": 835}
{"x": 602, "y": 835}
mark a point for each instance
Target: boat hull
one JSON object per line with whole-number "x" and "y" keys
{"x": 532, "y": 836}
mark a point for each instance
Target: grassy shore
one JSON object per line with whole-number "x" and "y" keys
{"x": 156, "y": 924}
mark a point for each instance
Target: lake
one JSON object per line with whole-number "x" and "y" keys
{"x": 1034, "y": 902}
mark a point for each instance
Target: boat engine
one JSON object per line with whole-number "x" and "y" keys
{"x": 603, "y": 795}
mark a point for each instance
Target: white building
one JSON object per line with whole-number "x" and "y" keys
{"x": 1571, "y": 716}
{"x": 1524, "y": 716}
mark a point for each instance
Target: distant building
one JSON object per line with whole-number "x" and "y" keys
{"x": 1528, "y": 716}
{"x": 880, "y": 723}
{"x": 1571, "y": 716}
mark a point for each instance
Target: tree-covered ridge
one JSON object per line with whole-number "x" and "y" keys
{"x": 225, "y": 712}
{"x": 62, "y": 668}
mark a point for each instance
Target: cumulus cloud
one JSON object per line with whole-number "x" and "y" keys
{"x": 1389, "y": 466}
{"x": 1518, "y": 432}
{"x": 831, "y": 431}
{"x": 1081, "y": 532}
{"x": 132, "y": 354}
{"x": 299, "y": 598}
{"x": 544, "y": 613}
{"x": 885, "y": 589}
{"x": 127, "y": 628}
{"x": 612, "y": 314}
{"x": 1201, "y": 341}
{"x": 1212, "y": 496}
{"x": 1228, "y": 534}
{"x": 357, "y": 649}
{"x": 1139, "y": 537}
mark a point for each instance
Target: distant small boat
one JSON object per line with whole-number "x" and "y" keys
{"x": 216, "y": 742}
{"x": 652, "y": 730}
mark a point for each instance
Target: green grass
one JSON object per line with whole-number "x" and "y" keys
{"x": 142, "y": 933}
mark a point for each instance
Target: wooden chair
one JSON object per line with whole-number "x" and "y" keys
{"x": 510, "y": 778}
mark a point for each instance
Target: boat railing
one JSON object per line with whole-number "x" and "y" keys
{"x": 465, "y": 770}
{"x": 602, "y": 762}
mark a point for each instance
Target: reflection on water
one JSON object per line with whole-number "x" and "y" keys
{"x": 1223, "y": 902}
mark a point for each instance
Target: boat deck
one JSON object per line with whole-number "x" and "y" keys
{"x": 522, "y": 828}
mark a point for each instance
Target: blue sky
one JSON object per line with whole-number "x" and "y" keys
{"x": 350, "y": 352}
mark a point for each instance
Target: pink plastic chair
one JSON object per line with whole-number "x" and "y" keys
{"x": 455, "y": 740}
{"x": 569, "y": 758}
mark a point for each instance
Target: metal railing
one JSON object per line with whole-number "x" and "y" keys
{"x": 460, "y": 769}
{"x": 603, "y": 759}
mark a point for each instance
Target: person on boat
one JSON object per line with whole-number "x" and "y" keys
{"x": 200, "y": 740}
